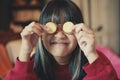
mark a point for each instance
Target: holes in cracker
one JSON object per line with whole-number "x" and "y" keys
{"x": 52, "y": 27}
{"x": 67, "y": 27}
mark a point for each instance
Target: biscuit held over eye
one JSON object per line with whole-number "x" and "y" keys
{"x": 67, "y": 27}
{"x": 52, "y": 27}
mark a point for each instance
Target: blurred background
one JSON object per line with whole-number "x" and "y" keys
{"x": 103, "y": 16}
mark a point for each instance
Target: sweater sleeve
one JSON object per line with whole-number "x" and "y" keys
{"x": 22, "y": 71}
{"x": 100, "y": 69}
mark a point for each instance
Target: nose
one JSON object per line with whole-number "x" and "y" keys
{"x": 59, "y": 34}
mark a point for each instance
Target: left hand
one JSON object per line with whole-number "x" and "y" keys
{"x": 86, "y": 39}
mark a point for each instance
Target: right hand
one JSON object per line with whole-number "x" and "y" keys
{"x": 30, "y": 36}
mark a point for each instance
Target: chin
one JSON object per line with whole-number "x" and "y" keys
{"x": 59, "y": 53}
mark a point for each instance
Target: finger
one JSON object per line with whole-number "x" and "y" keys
{"x": 37, "y": 31}
{"x": 37, "y": 25}
{"x": 86, "y": 39}
{"x": 80, "y": 33}
{"x": 87, "y": 29}
{"x": 85, "y": 34}
{"x": 81, "y": 27}
{"x": 44, "y": 28}
{"x": 77, "y": 28}
{"x": 34, "y": 39}
{"x": 26, "y": 33}
{"x": 34, "y": 28}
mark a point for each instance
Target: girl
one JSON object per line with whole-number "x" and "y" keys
{"x": 60, "y": 55}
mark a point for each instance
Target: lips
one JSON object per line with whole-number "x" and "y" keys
{"x": 60, "y": 42}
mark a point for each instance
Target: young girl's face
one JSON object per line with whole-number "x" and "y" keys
{"x": 59, "y": 44}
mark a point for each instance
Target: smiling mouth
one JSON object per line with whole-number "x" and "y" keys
{"x": 59, "y": 43}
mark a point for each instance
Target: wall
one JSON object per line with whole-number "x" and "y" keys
{"x": 103, "y": 16}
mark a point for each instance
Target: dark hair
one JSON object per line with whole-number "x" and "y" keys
{"x": 59, "y": 11}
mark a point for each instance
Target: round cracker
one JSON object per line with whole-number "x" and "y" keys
{"x": 67, "y": 27}
{"x": 52, "y": 27}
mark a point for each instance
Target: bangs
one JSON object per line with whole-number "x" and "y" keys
{"x": 60, "y": 14}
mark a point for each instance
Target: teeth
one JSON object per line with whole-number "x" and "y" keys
{"x": 67, "y": 27}
{"x": 52, "y": 27}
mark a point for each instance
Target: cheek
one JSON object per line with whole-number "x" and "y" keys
{"x": 46, "y": 41}
{"x": 60, "y": 50}
{"x": 73, "y": 41}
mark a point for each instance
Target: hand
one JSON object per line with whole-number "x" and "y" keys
{"x": 86, "y": 40}
{"x": 30, "y": 35}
